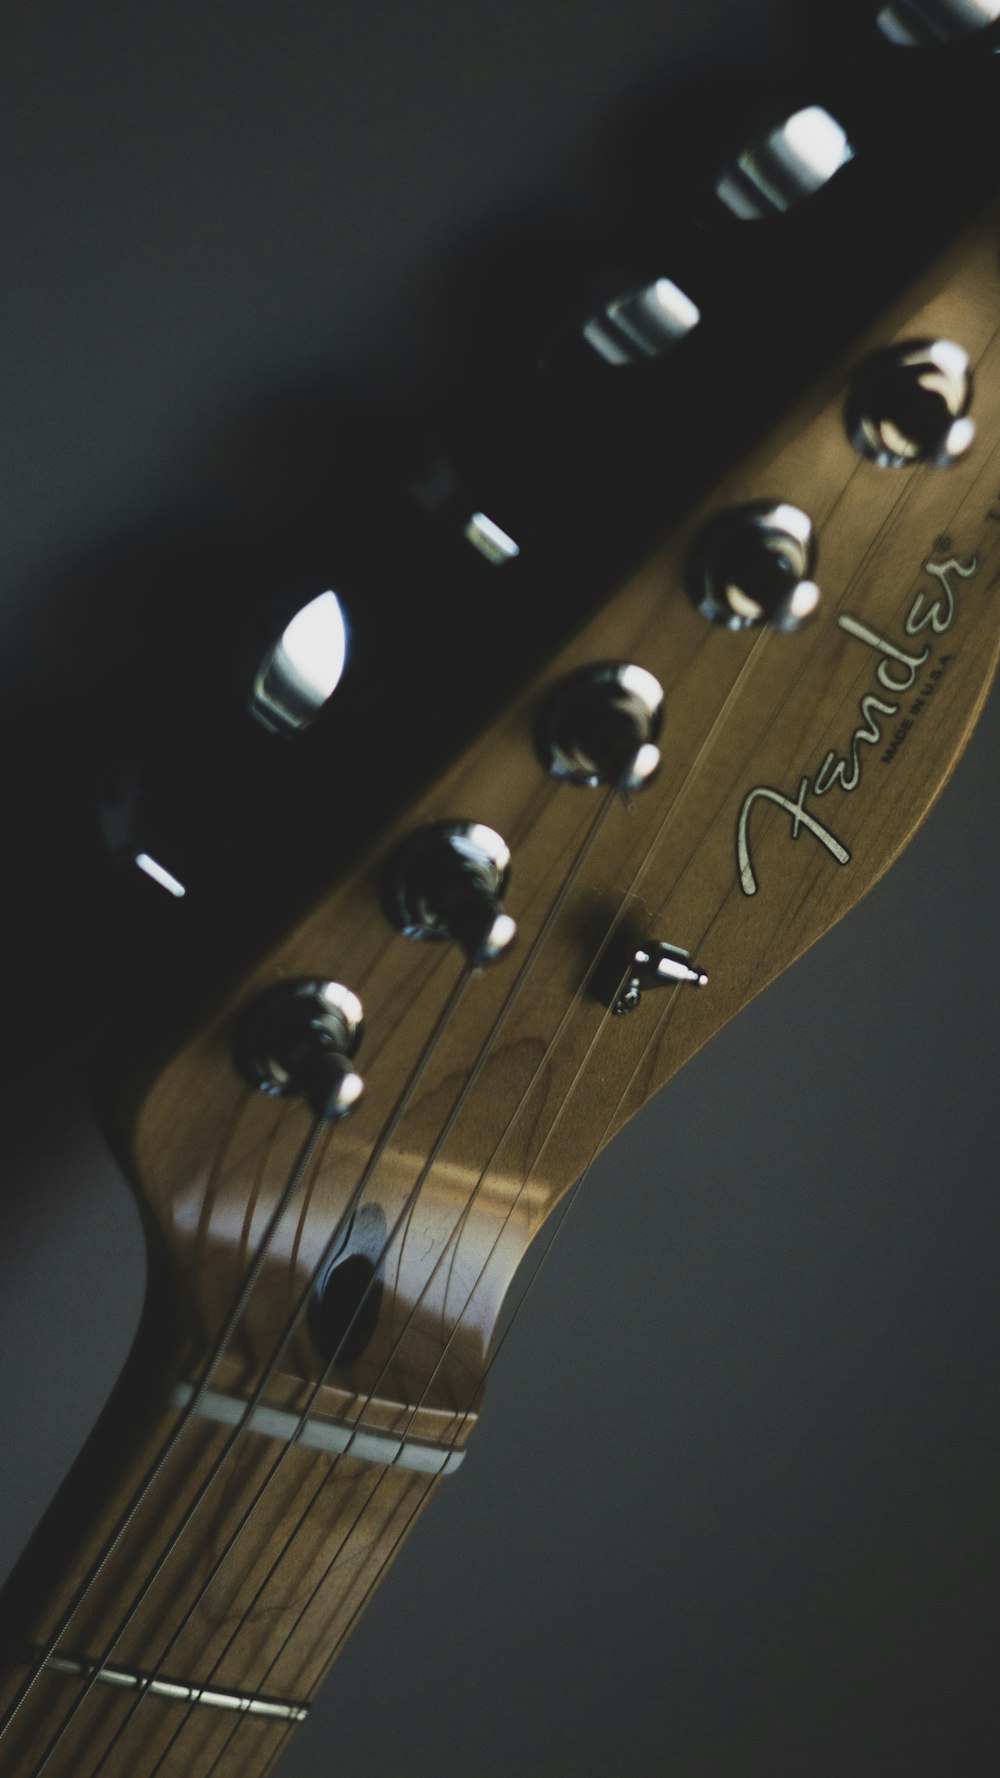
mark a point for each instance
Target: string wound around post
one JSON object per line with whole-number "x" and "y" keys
{"x": 601, "y": 725}
{"x": 298, "y": 1039}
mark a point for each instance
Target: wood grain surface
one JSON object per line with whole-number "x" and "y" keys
{"x": 209, "y": 1158}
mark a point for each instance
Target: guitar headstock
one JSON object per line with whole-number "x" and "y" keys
{"x": 798, "y": 757}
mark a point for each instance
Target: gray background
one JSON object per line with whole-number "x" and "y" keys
{"x": 779, "y": 1553}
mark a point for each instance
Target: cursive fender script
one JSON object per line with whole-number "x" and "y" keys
{"x": 934, "y": 608}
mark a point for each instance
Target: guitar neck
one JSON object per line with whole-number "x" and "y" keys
{"x": 311, "y": 1549}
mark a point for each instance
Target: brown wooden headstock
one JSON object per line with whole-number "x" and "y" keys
{"x": 796, "y": 767}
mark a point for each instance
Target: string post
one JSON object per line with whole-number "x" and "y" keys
{"x": 298, "y": 1040}
{"x": 601, "y": 725}
{"x": 447, "y": 881}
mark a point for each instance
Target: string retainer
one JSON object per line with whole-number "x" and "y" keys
{"x": 627, "y": 969}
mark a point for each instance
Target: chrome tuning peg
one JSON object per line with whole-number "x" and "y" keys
{"x": 913, "y": 23}
{"x": 642, "y": 324}
{"x": 910, "y": 404}
{"x": 754, "y": 565}
{"x": 656, "y": 965}
{"x": 439, "y": 490}
{"x": 448, "y": 881}
{"x": 296, "y": 1040}
{"x": 791, "y": 163}
{"x": 600, "y": 726}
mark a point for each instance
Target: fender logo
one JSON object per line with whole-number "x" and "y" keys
{"x": 934, "y": 608}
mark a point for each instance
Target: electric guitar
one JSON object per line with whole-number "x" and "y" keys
{"x": 348, "y": 1151}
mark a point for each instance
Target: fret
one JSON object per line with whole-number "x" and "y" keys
{"x": 243, "y": 1667}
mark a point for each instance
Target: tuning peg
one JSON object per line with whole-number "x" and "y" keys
{"x": 300, "y": 672}
{"x": 753, "y": 565}
{"x": 296, "y": 1040}
{"x": 656, "y": 965}
{"x": 910, "y": 404}
{"x": 600, "y": 726}
{"x": 448, "y": 881}
{"x": 438, "y": 488}
{"x": 786, "y": 166}
{"x": 642, "y": 324}
{"x": 917, "y": 22}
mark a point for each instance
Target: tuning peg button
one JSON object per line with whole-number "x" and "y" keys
{"x": 791, "y": 163}
{"x": 910, "y": 404}
{"x": 642, "y": 324}
{"x": 753, "y": 565}
{"x": 917, "y": 22}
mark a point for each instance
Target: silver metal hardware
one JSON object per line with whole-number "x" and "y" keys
{"x": 448, "y": 881}
{"x": 600, "y": 726}
{"x": 297, "y": 1039}
{"x": 643, "y": 324}
{"x": 491, "y": 542}
{"x": 179, "y": 1690}
{"x": 916, "y": 22}
{"x": 910, "y": 404}
{"x": 300, "y": 674}
{"x": 366, "y": 1444}
{"x": 656, "y": 965}
{"x": 754, "y": 565}
{"x": 790, "y": 164}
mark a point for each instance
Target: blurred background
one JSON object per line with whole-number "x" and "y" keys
{"x": 777, "y": 1551}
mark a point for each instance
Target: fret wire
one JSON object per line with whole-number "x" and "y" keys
{"x": 170, "y": 1444}
{"x": 298, "y": 1315}
{"x": 662, "y": 1021}
{"x": 408, "y": 1205}
{"x": 702, "y": 754}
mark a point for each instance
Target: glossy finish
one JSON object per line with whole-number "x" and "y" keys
{"x": 447, "y": 882}
{"x": 600, "y": 726}
{"x": 643, "y": 324}
{"x": 297, "y": 1040}
{"x": 915, "y": 22}
{"x": 910, "y": 404}
{"x": 753, "y": 565}
{"x": 791, "y": 163}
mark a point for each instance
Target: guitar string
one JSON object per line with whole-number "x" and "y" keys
{"x": 669, "y": 813}
{"x": 153, "y": 1577}
{"x": 473, "y": 1076}
{"x": 313, "y": 1142}
{"x": 150, "y": 1582}
{"x": 904, "y": 495}
{"x": 664, "y": 1014}
{"x": 706, "y": 746}
{"x": 298, "y": 1173}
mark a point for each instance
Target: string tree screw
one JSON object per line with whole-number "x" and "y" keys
{"x": 627, "y": 970}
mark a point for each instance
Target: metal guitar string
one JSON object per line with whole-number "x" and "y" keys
{"x": 304, "y": 1302}
{"x": 703, "y": 751}
{"x": 80, "y": 1700}
{"x": 298, "y": 1173}
{"x": 571, "y": 1198}
{"x": 319, "y": 1128}
{"x": 153, "y": 1577}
